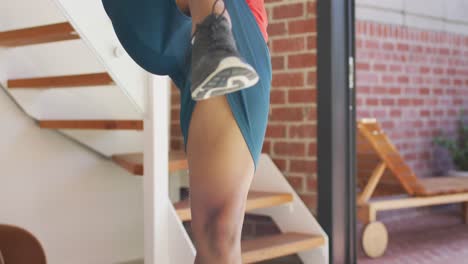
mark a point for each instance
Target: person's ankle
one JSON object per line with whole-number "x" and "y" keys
{"x": 220, "y": 9}
{"x": 226, "y": 15}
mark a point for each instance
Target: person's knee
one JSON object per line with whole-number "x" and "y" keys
{"x": 220, "y": 225}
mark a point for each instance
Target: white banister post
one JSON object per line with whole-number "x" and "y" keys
{"x": 156, "y": 160}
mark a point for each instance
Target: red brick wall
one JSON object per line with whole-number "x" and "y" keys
{"x": 291, "y": 134}
{"x": 414, "y": 82}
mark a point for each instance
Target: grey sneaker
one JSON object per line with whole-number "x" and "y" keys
{"x": 217, "y": 67}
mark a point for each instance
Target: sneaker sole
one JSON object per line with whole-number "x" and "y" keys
{"x": 231, "y": 75}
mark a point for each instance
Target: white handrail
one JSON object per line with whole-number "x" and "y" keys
{"x": 156, "y": 160}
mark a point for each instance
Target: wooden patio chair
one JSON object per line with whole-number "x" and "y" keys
{"x": 18, "y": 246}
{"x": 380, "y": 165}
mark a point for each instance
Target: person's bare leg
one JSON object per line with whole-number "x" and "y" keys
{"x": 221, "y": 168}
{"x": 221, "y": 171}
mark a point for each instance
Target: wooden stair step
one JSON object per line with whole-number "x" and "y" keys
{"x": 255, "y": 200}
{"x": 134, "y": 162}
{"x": 269, "y": 247}
{"x": 80, "y": 80}
{"x": 92, "y": 124}
{"x": 37, "y": 35}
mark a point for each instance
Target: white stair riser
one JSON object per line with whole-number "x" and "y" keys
{"x": 94, "y": 102}
{"x": 111, "y": 142}
{"x": 68, "y": 57}
{"x": 26, "y": 13}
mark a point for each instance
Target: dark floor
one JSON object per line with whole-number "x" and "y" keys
{"x": 435, "y": 237}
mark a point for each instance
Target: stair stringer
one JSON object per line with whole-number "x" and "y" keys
{"x": 293, "y": 217}
{"x": 181, "y": 248}
{"x": 90, "y": 20}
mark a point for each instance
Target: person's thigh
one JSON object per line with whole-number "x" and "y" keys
{"x": 221, "y": 166}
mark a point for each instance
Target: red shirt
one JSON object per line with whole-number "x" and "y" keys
{"x": 258, "y": 9}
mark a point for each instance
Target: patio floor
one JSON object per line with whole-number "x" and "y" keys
{"x": 435, "y": 237}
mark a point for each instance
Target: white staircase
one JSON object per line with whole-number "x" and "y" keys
{"x": 64, "y": 66}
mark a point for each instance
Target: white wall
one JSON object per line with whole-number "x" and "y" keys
{"x": 440, "y": 15}
{"x": 82, "y": 207}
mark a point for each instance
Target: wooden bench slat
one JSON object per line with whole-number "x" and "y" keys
{"x": 443, "y": 185}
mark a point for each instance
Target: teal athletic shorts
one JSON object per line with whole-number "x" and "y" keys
{"x": 157, "y": 35}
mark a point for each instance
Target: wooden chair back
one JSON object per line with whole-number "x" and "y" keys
{"x": 375, "y": 146}
{"x": 368, "y": 160}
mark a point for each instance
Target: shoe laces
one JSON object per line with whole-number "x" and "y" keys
{"x": 214, "y": 41}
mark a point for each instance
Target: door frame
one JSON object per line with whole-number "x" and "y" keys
{"x": 336, "y": 127}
